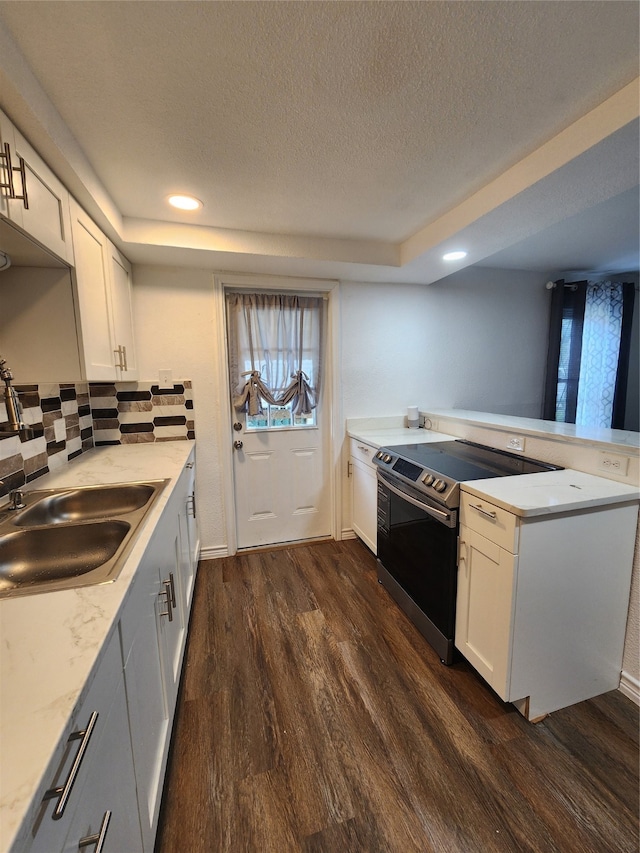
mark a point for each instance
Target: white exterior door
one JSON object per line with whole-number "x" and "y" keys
{"x": 282, "y": 483}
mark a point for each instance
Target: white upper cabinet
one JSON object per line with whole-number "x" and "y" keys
{"x": 103, "y": 291}
{"x": 41, "y": 203}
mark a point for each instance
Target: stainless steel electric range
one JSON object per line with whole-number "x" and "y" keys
{"x": 418, "y": 502}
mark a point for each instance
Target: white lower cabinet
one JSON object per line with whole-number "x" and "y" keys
{"x": 542, "y": 601}
{"x": 188, "y": 545}
{"x": 95, "y": 775}
{"x": 364, "y": 492}
{"x": 127, "y": 716}
{"x": 154, "y": 626}
{"x": 108, "y": 806}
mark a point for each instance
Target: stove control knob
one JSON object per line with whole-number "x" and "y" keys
{"x": 387, "y": 458}
{"x": 428, "y": 479}
{"x": 379, "y": 454}
{"x": 439, "y": 485}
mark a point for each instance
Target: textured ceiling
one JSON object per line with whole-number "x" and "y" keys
{"x": 356, "y": 123}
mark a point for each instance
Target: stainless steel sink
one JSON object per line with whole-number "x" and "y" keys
{"x": 68, "y": 538}
{"x": 86, "y": 504}
{"x": 58, "y": 555}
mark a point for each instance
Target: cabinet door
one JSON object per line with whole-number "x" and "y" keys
{"x": 46, "y": 218}
{"x": 364, "y": 501}
{"x": 171, "y": 629}
{"x": 189, "y": 542}
{"x": 7, "y": 136}
{"x": 485, "y": 608}
{"x": 110, "y": 788}
{"x": 49, "y": 832}
{"x": 149, "y": 717}
{"x": 92, "y": 259}
{"x": 123, "y": 336}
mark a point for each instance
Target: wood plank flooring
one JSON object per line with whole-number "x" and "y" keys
{"x": 314, "y": 717}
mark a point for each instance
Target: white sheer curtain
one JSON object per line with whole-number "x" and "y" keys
{"x": 601, "y": 335}
{"x": 276, "y": 344}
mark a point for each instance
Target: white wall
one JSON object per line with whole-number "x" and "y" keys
{"x": 475, "y": 340}
{"x": 174, "y": 329}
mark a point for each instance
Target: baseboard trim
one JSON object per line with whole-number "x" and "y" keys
{"x": 347, "y": 533}
{"x": 212, "y": 553}
{"x": 630, "y": 686}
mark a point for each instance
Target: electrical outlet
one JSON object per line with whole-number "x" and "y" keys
{"x": 515, "y": 442}
{"x": 612, "y": 463}
{"x": 165, "y": 378}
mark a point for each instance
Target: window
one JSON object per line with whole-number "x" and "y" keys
{"x": 588, "y": 357}
{"x": 275, "y": 357}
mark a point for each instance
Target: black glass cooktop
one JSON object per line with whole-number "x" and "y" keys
{"x": 463, "y": 460}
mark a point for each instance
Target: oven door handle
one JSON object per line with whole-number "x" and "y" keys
{"x": 430, "y": 510}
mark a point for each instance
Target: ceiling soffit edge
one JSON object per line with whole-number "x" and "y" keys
{"x": 613, "y": 114}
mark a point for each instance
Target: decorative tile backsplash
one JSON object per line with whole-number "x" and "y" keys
{"x": 134, "y": 412}
{"x": 68, "y": 419}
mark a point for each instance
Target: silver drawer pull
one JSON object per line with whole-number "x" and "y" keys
{"x": 484, "y": 511}
{"x": 99, "y": 837}
{"x": 64, "y": 791}
{"x": 363, "y": 448}
{"x": 166, "y": 592}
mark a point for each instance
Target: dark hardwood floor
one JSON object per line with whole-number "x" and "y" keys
{"x": 314, "y": 717}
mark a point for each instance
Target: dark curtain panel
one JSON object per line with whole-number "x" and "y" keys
{"x": 620, "y": 397}
{"x": 563, "y": 357}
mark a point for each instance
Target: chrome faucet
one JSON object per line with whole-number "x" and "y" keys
{"x": 16, "y": 499}
{"x": 15, "y": 425}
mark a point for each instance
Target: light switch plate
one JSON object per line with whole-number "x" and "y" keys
{"x": 165, "y": 377}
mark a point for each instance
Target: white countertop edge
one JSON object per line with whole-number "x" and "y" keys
{"x": 623, "y": 441}
{"x": 34, "y": 736}
{"x": 551, "y": 492}
{"x": 390, "y": 436}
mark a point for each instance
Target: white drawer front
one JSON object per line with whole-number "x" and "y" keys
{"x": 363, "y": 452}
{"x": 491, "y": 521}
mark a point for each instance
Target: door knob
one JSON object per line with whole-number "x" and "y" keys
{"x": 237, "y": 445}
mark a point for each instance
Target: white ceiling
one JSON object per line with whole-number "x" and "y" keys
{"x": 354, "y": 140}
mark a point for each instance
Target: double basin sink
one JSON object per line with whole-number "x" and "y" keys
{"x": 71, "y": 537}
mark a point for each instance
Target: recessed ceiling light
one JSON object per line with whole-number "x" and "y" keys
{"x": 454, "y": 256}
{"x": 184, "y": 202}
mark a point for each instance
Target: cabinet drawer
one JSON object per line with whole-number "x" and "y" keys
{"x": 362, "y": 452}
{"x": 49, "y": 832}
{"x": 491, "y": 521}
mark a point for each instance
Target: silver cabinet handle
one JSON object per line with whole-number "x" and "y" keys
{"x": 172, "y": 587}
{"x": 10, "y": 169}
{"x": 99, "y": 838}
{"x": 64, "y": 791}
{"x": 167, "y": 593}
{"x": 191, "y": 503}
{"x": 189, "y": 465}
{"x": 120, "y": 362}
{"x": 124, "y": 356}
{"x": 484, "y": 511}
{"x": 363, "y": 448}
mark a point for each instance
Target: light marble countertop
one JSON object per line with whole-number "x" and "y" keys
{"x": 51, "y": 643}
{"x": 551, "y": 492}
{"x": 524, "y": 494}
{"x": 625, "y": 440}
{"x": 390, "y": 436}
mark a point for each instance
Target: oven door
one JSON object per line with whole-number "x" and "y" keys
{"x": 417, "y": 560}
